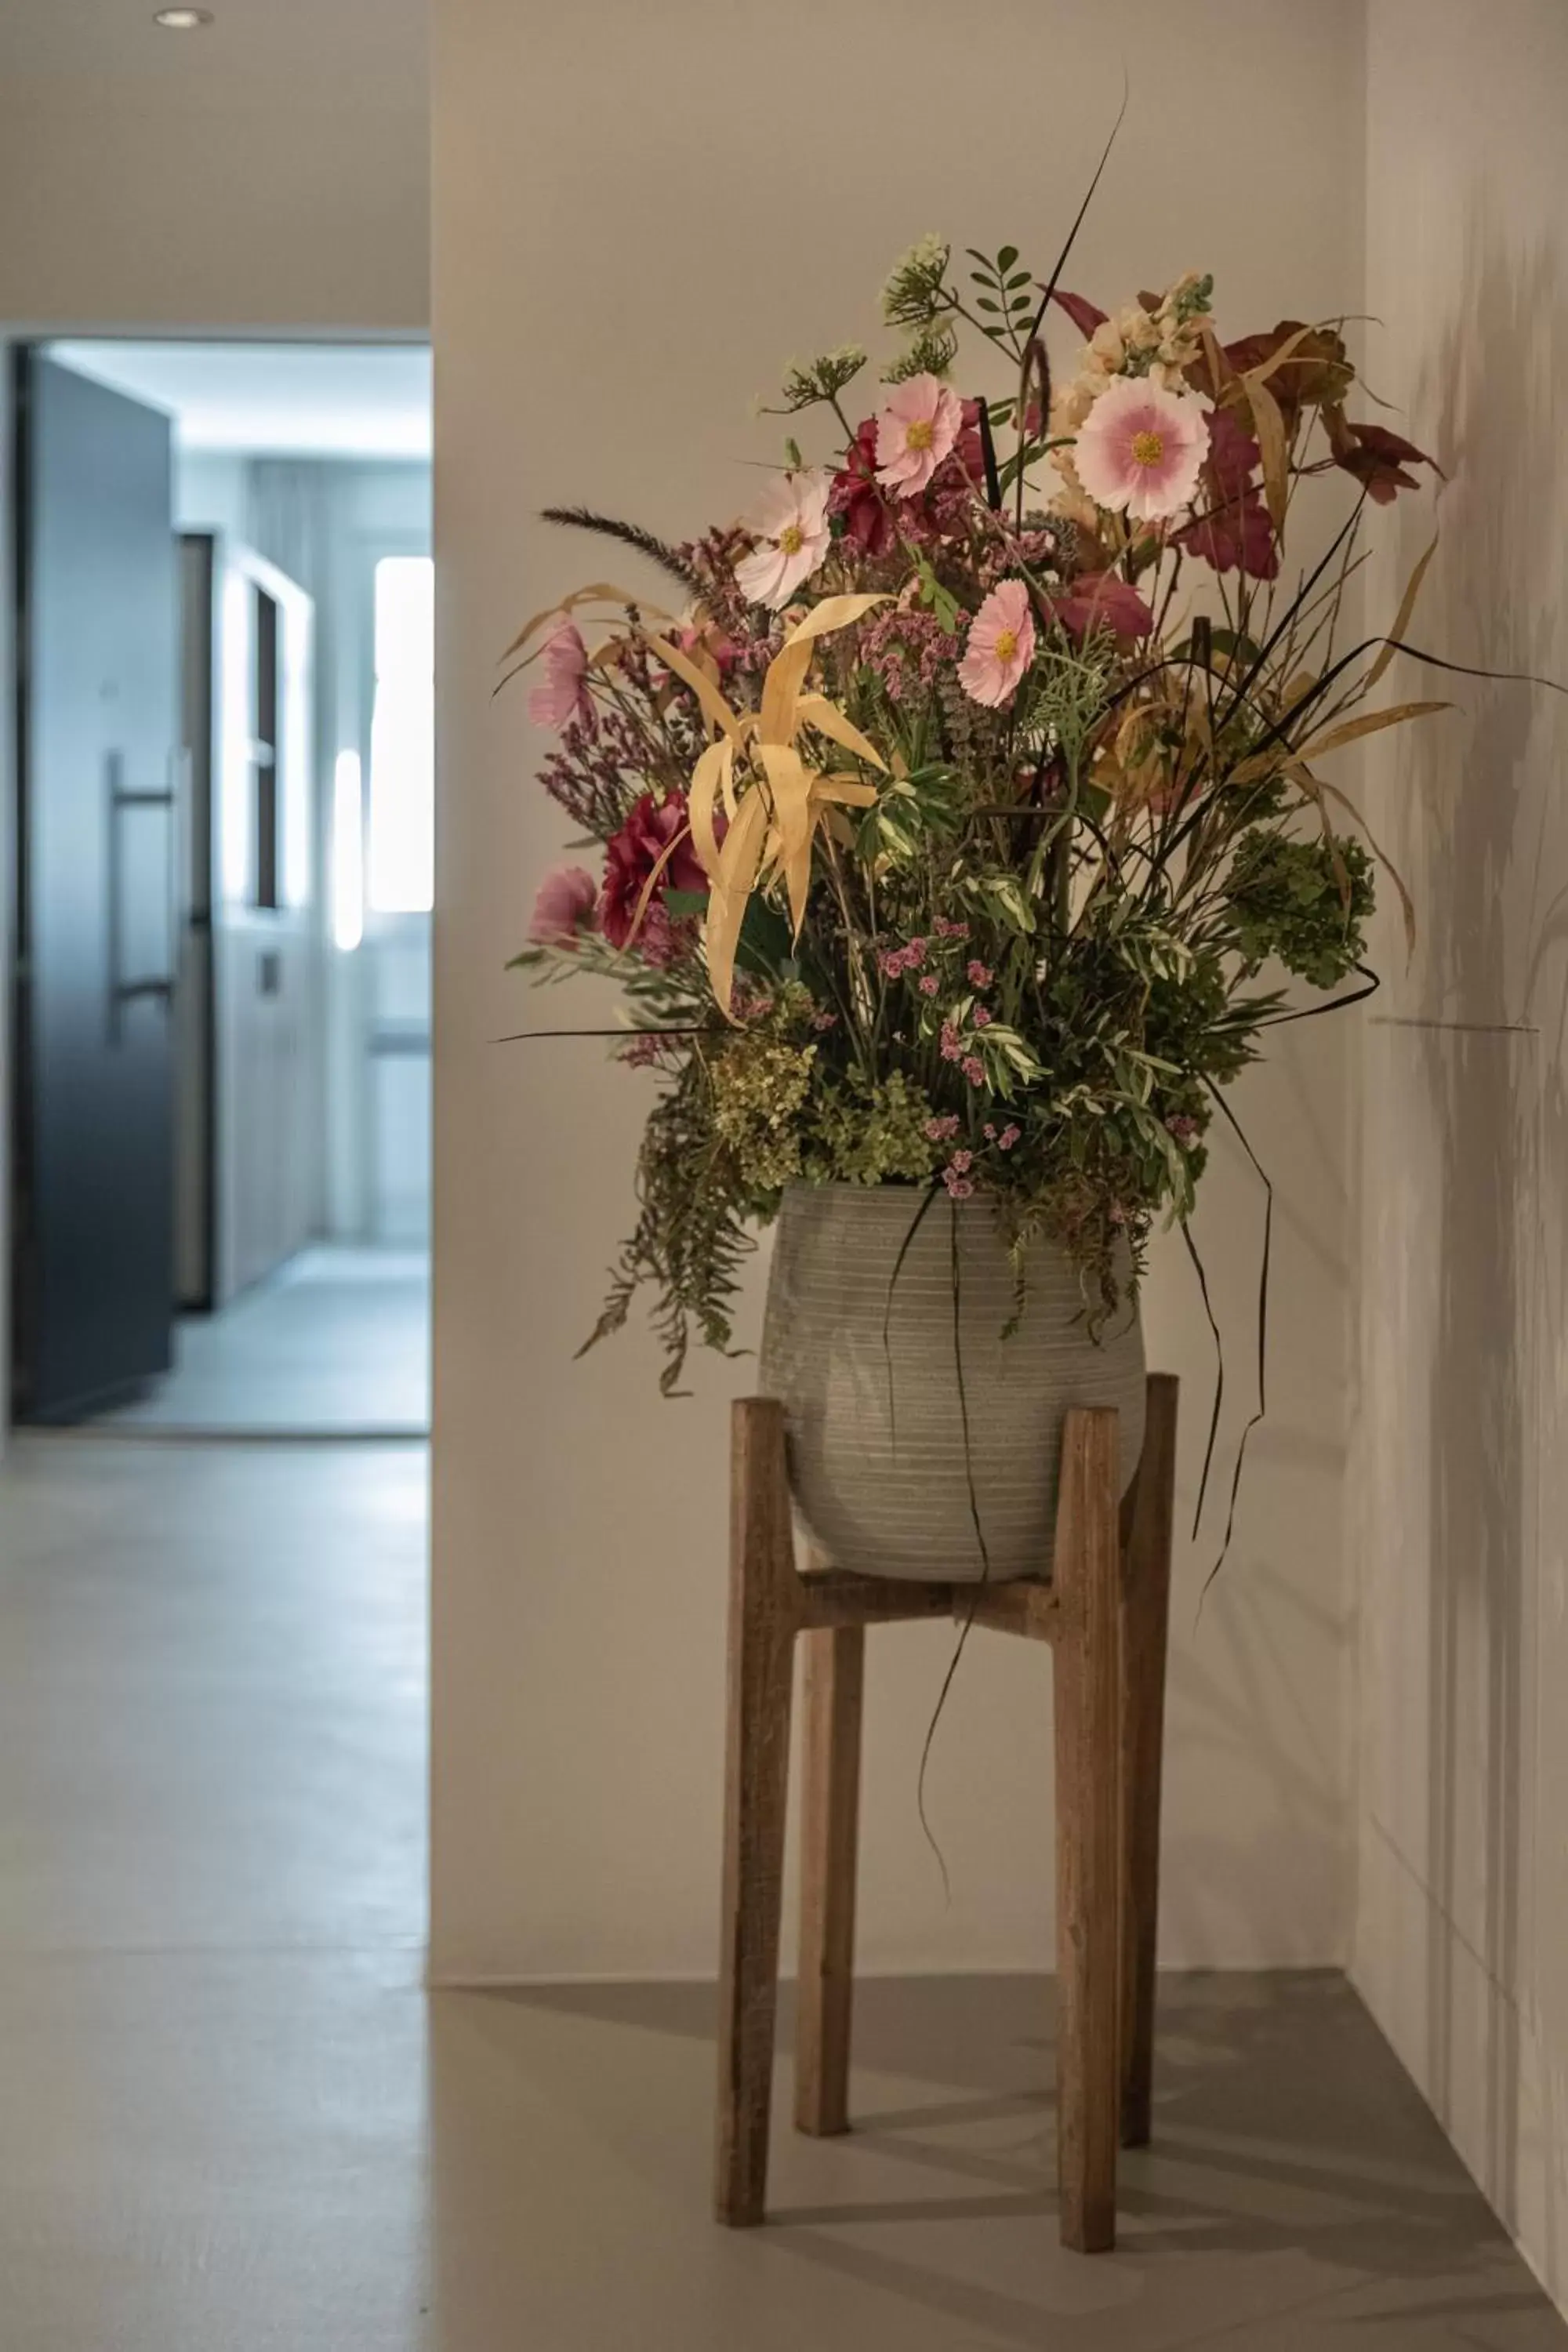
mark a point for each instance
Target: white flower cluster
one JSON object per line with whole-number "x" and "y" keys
{"x": 1161, "y": 344}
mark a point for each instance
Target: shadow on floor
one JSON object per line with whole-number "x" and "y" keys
{"x": 1299, "y": 2193}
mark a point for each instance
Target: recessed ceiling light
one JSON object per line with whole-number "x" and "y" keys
{"x": 183, "y": 20}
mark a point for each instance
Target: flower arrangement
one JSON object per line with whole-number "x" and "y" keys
{"x": 960, "y": 826}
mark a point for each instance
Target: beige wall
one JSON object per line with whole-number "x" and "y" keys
{"x": 1461, "y": 1488}
{"x": 272, "y": 171}
{"x": 640, "y": 214}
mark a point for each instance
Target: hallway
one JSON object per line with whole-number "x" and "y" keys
{"x": 335, "y": 1344}
{"x": 225, "y": 2127}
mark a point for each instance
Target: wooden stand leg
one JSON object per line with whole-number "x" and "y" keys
{"x": 762, "y": 1622}
{"x": 835, "y": 1685}
{"x": 1086, "y": 1579}
{"x": 1146, "y": 1530}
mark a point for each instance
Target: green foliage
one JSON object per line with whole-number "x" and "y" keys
{"x": 914, "y": 293}
{"x": 690, "y": 1239}
{"x": 1306, "y": 903}
{"x": 1006, "y": 296}
{"x": 932, "y": 352}
{"x": 822, "y": 379}
{"x": 870, "y": 1131}
{"x": 759, "y": 1087}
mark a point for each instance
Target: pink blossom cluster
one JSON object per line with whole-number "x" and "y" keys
{"x": 909, "y": 958}
{"x": 1007, "y": 1138}
{"x": 905, "y": 647}
{"x": 942, "y": 1129}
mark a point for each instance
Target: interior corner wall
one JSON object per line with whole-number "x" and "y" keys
{"x": 7, "y": 871}
{"x": 1461, "y": 1484}
{"x": 638, "y": 215}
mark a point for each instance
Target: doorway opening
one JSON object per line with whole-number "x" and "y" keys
{"x": 226, "y": 700}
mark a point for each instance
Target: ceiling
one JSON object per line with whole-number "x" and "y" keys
{"x": 374, "y": 49}
{"x": 298, "y": 400}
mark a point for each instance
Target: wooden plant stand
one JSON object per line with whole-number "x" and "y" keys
{"x": 1105, "y": 1613}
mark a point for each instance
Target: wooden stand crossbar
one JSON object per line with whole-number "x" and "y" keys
{"x": 1105, "y": 1614}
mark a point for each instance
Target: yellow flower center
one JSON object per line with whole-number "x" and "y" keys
{"x": 792, "y": 539}
{"x": 1007, "y": 644}
{"x": 1148, "y": 447}
{"x": 920, "y": 434}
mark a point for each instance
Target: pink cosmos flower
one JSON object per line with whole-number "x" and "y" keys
{"x": 915, "y": 432}
{"x": 1001, "y": 645}
{"x": 564, "y": 906}
{"x": 1139, "y": 449}
{"x": 563, "y": 693}
{"x": 789, "y": 523}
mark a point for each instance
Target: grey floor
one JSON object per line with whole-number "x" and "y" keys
{"x": 336, "y": 1344}
{"x": 231, "y": 2122}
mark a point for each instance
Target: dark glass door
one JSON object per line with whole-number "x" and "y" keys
{"x": 98, "y": 643}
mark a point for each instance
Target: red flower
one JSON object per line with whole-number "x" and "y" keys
{"x": 631, "y": 856}
{"x": 856, "y": 495}
{"x": 968, "y": 450}
{"x": 1232, "y": 526}
{"x": 1096, "y": 600}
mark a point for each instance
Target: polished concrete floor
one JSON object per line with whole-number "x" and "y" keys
{"x": 230, "y": 2121}
{"x": 337, "y": 1343}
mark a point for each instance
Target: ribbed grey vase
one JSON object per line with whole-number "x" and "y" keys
{"x": 868, "y": 1370}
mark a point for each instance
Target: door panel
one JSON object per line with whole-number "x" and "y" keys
{"x": 97, "y": 698}
{"x": 265, "y": 938}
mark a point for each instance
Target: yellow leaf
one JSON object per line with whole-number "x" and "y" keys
{"x": 602, "y": 591}
{"x": 786, "y": 671}
{"x": 1371, "y": 722}
{"x": 1273, "y": 446}
{"x": 737, "y": 871}
{"x": 713, "y": 775}
{"x": 1402, "y": 618}
{"x": 791, "y": 783}
{"x": 715, "y": 709}
{"x": 816, "y": 712}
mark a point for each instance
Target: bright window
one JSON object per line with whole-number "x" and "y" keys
{"x": 400, "y": 865}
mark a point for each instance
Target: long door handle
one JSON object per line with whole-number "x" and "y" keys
{"x": 122, "y": 987}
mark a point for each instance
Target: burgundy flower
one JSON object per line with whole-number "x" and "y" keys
{"x": 857, "y": 496}
{"x": 1376, "y": 456}
{"x": 1232, "y": 525}
{"x": 631, "y": 856}
{"x": 1094, "y": 600}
